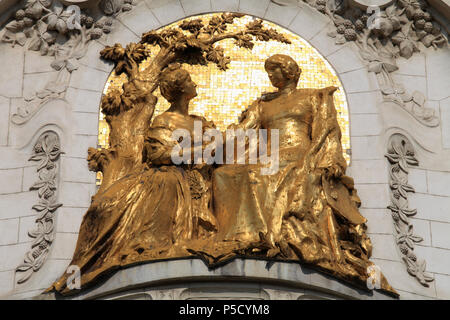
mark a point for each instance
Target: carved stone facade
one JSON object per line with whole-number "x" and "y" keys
{"x": 401, "y": 29}
{"x": 62, "y": 30}
{"x": 387, "y": 94}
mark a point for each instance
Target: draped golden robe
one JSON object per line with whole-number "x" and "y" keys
{"x": 307, "y": 210}
{"x": 149, "y": 214}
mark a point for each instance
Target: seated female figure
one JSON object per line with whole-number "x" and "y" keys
{"x": 307, "y": 210}
{"x": 150, "y": 214}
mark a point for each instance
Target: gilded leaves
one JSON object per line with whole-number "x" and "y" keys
{"x": 204, "y": 35}
{"x": 114, "y": 103}
{"x": 98, "y": 159}
{"x": 114, "y": 53}
{"x": 257, "y": 29}
{"x": 192, "y": 41}
{"x": 135, "y": 52}
{"x": 127, "y": 59}
{"x": 217, "y": 56}
{"x": 244, "y": 41}
{"x": 218, "y": 24}
{"x": 167, "y": 38}
{"x": 192, "y": 26}
{"x": 215, "y": 25}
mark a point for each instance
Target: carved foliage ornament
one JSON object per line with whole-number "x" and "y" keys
{"x": 401, "y": 29}
{"x": 401, "y": 156}
{"x": 59, "y": 30}
{"x": 47, "y": 151}
{"x": 353, "y": 24}
{"x": 41, "y": 22}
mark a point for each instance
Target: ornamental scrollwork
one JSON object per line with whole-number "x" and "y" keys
{"x": 47, "y": 151}
{"x": 399, "y": 30}
{"x": 62, "y": 30}
{"x": 401, "y": 157}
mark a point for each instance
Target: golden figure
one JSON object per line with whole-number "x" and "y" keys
{"x": 153, "y": 211}
{"x": 308, "y": 209}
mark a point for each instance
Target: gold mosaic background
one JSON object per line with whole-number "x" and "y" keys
{"x": 223, "y": 95}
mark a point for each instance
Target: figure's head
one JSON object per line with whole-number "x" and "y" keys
{"x": 176, "y": 83}
{"x": 282, "y": 70}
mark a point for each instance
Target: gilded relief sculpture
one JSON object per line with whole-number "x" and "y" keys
{"x": 151, "y": 208}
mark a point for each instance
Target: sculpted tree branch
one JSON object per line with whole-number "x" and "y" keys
{"x": 128, "y": 112}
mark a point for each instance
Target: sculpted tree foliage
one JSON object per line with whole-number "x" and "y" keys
{"x": 194, "y": 42}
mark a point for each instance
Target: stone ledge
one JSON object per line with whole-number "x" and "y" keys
{"x": 286, "y": 276}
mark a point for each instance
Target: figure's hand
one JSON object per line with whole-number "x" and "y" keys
{"x": 335, "y": 171}
{"x": 154, "y": 154}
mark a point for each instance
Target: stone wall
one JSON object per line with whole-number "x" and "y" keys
{"x": 238, "y": 279}
{"x": 372, "y": 122}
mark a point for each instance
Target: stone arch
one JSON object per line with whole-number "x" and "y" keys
{"x": 309, "y": 61}
{"x": 302, "y": 20}
{"x": 360, "y": 86}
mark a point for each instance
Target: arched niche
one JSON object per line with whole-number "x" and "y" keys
{"x": 224, "y": 94}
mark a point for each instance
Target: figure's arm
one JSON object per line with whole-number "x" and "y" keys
{"x": 250, "y": 118}
{"x": 326, "y": 148}
{"x": 158, "y": 146}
